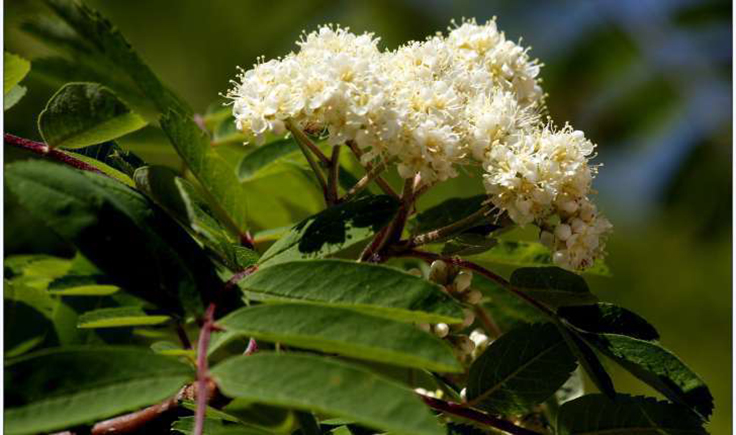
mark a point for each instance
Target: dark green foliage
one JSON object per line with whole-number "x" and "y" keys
{"x": 84, "y": 114}
{"x": 624, "y": 415}
{"x": 553, "y": 286}
{"x": 333, "y": 230}
{"x": 343, "y": 332}
{"x": 359, "y": 286}
{"x": 70, "y": 386}
{"x": 603, "y": 318}
{"x": 118, "y": 229}
{"x": 522, "y": 368}
{"x": 326, "y": 386}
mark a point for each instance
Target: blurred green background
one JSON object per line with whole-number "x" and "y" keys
{"x": 648, "y": 80}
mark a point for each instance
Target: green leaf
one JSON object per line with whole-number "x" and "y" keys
{"x": 119, "y": 317}
{"x": 260, "y": 158}
{"x": 86, "y": 290}
{"x": 119, "y": 230}
{"x": 371, "y": 288}
{"x": 59, "y": 388}
{"x": 517, "y": 253}
{"x": 332, "y": 230}
{"x": 29, "y": 314}
{"x": 595, "y": 414}
{"x": 658, "y": 368}
{"x": 469, "y": 244}
{"x": 509, "y": 311}
{"x": 13, "y": 96}
{"x": 344, "y": 332}
{"x": 522, "y": 368}
{"x": 15, "y": 68}
{"x": 83, "y": 114}
{"x": 553, "y": 286}
{"x": 587, "y": 359}
{"x": 179, "y": 197}
{"x": 326, "y": 386}
{"x": 604, "y": 318}
{"x": 170, "y": 349}
{"x": 448, "y": 212}
{"x": 212, "y": 171}
{"x": 109, "y": 45}
{"x": 213, "y": 426}
{"x": 112, "y": 155}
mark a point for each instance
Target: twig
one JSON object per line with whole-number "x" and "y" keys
{"x": 489, "y": 324}
{"x": 334, "y": 171}
{"x": 304, "y": 144}
{"x": 383, "y": 184}
{"x": 203, "y": 374}
{"x": 371, "y": 175}
{"x": 441, "y": 233}
{"x": 131, "y": 422}
{"x": 44, "y": 150}
{"x": 183, "y": 337}
{"x": 462, "y": 411}
{"x": 304, "y": 141}
{"x": 391, "y": 233}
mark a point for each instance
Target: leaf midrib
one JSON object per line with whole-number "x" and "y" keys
{"x": 504, "y": 380}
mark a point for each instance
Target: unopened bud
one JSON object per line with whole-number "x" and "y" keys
{"x": 424, "y": 327}
{"x": 469, "y": 318}
{"x": 438, "y": 272}
{"x": 464, "y": 394}
{"x": 441, "y": 330}
{"x": 416, "y": 272}
{"x": 463, "y": 280}
{"x": 473, "y": 297}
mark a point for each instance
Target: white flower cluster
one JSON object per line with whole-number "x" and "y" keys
{"x": 469, "y": 97}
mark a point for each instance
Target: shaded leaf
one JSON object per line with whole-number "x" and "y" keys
{"x": 13, "y": 96}
{"x": 60, "y": 388}
{"x": 553, "y": 286}
{"x": 344, "y": 332}
{"x": 522, "y": 368}
{"x": 518, "y": 253}
{"x": 212, "y": 171}
{"x": 119, "y": 230}
{"x": 260, "y": 158}
{"x": 118, "y": 317}
{"x": 15, "y": 68}
{"x": 213, "y": 426}
{"x": 469, "y": 244}
{"x": 112, "y": 155}
{"x": 597, "y": 414}
{"x": 588, "y": 360}
{"x": 364, "y": 287}
{"x": 605, "y": 318}
{"x": 83, "y": 114}
{"x": 333, "y": 229}
{"x": 178, "y": 197}
{"x": 109, "y": 44}
{"x": 658, "y": 368}
{"x": 448, "y": 211}
{"x": 323, "y": 385}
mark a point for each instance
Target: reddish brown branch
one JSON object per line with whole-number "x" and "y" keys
{"x": 44, "y": 150}
{"x": 131, "y": 422}
{"x": 459, "y": 410}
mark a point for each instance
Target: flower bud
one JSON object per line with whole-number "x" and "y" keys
{"x": 462, "y": 280}
{"x": 416, "y": 272}
{"x": 441, "y": 330}
{"x": 473, "y": 297}
{"x": 438, "y": 272}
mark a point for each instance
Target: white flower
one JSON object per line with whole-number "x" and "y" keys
{"x": 471, "y": 97}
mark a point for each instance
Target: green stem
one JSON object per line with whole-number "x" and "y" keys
{"x": 334, "y": 173}
{"x": 383, "y": 184}
{"x": 371, "y": 175}
{"x": 443, "y": 232}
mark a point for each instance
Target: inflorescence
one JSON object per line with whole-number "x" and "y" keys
{"x": 471, "y": 97}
